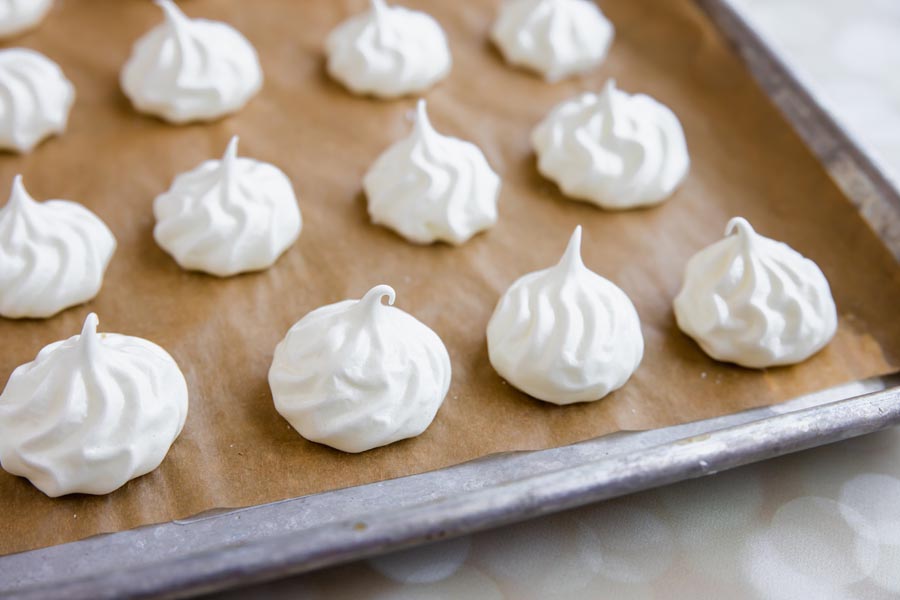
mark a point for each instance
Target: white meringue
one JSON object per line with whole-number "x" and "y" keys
{"x": 388, "y": 51}
{"x": 18, "y": 16}
{"x": 53, "y": 255}
{"x": 91, "y": 412}
{"x": 754, "y": 301}
{"x": 187, "y": 70}
{"x": 556, "y": 38}
{"x": 228, "y": 216}
{"x": 357, "y": 374}
{"x": 431, "y": 187}
{"x": 565, "y": 334}
{"x": 35, "y": 99}
{"x": 612, "y": 149}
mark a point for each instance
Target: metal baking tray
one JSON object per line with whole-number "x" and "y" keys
{"x": 222, "y": 549}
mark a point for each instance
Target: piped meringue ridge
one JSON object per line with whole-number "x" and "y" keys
{"x": 388, "y": 52}
{"x": 91, "y": 412}
{"x": 555, "y": 38}
{"x": 429, "y": 187}
{"x": 565, "y": 334}
{"x": 35, "y": 99}
{"x": 612, "y": 149}
{"x": 228, "y": 216}
{"x": 359, "y": 374}
{"x": 54, "y": 254}
{"x": 187, "y": 70}
{"x": 18, "y": 16}
{"x": 754, "y": 301}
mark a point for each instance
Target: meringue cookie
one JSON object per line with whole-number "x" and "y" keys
{"x": 17, "y": 16}
{"x": 357, "y": 374}
{"x": 565, "y": 334}
{"x": 388, "y": 51}
{"x": 431, "y": 187}
{"x": 35, "y": 99}
{"x": 754, "y": 301}
{"x": 556, "y": 38}
{"x": 91, "y": 412}
{"x": 228, "y": 216}
{"x": 53, "y": 253}
{"x": 612, "y": 149}
{"x": 191, "y": 69}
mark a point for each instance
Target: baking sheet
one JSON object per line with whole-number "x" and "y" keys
{"x": 235, "y": 449}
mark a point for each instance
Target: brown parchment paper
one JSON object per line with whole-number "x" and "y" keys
{"x": 235, "y": 449}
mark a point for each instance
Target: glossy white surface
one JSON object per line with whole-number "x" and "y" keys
{"x": 388, "y": 51}
{"x": 35, "y": 99}
{"x": 228, "y": 216}
{"x": 53, "y": 254}
{"x": 91, "y": 412}
{"x": 565, "y": 334}
{"x": 359, "y": 374}
{"x": 18, "y": 16}
{"x": 754, "y": 301}
{"x": 555, "y": 38}
{"x": 187, "y": 70}
{"x": 429, "y": 187}
{"x": 612, "y": 149}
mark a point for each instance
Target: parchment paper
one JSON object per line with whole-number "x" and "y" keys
{"x": 235, "y": 449}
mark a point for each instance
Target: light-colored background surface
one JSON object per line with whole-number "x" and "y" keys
{"x": 822, "y": 524}
{"x": 848, "y": 53}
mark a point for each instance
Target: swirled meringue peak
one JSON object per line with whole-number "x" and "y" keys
{"x": 91, "y": 412}
{"x": 388, "y": 51}
{"x": 556, "y": 38}
{"x": 565, "y": 334}
{"x": 18, "y": 16}
{"x": 358, "y": 374}
{"x": 35, "y": 99}
{"x": 187, "y": 70}
{"x": 431, "y": 187}
{"x": 53, "y": 255}
{"x": 612, "y": 149}
{"x": 228, "y": 216}
{"x": 753, "y": 301}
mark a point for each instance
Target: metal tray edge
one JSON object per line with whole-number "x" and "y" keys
{"x": 458, "y": 514}
{"x": 855, "y": 171}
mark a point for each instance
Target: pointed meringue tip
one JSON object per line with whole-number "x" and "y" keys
{"x": 741, "y": 226}
{"x": 90, "y": 325}
{"x": 572, "y": 255}
{"x": 379, "y": 8}
{"x": 19, "y": 196}
{"x": 744, "y": 230}
{"x": 174, "y": 16}
{"x": 229, "y": 159}
{"x": 607, "y": 97}
{"x": 88, "y": 339}
{"x": 373, "y": 297}
{"x": 231, "y": 150}
{"x": 423, "y": 123}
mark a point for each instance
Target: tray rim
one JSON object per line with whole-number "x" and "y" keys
{"x": 690, "y": 450}
{"x": 767, "y": 433}
{"x": 859, "y": 175}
